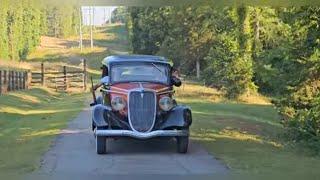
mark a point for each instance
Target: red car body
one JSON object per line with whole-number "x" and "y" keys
{"x": 137, "y": 101}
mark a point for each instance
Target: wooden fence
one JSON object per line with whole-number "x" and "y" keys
{"x": 60, "y": 80}
{"x": 13, "y": 80}
{"x": 63, "y": 79}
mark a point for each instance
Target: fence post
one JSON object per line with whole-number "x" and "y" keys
{"x": 18, "y": 80}
{"x": 16, "y": 86}
{"x": 25, "y": 80}
{"x": 21, "y": 80}
{"x": 9, "y": 80}
{"x": 42, "y": 74}
{"x": 5, "y": 78}
{"x": 65, "y": 77}
{"x": 1, "y": 82}
{"x": 12, "y": 81}
{"x": 28, "y": 79}
{"x": 5, "y": 81}
{"x": 84, "y": 74}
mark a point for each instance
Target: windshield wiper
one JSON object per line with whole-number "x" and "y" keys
{"x": 158, "y": 68}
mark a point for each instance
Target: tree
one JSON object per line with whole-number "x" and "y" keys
{"x": 23, "y": 22}
{"x": 119, "y": 14}
{"x": 4, "y": 41}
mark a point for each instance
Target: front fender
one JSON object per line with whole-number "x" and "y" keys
{"x": 180, "y": 117}
{"x": 102, "y": 116}
{"x": 98, "y": 112}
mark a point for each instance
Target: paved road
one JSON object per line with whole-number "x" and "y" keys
{"x": 74, "y": 153}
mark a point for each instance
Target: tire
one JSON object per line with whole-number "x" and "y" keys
{"x": 182, "y": 144}
{"x": 101, "y": 143}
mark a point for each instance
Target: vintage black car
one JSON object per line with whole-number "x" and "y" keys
{"x": 137, "y": 101}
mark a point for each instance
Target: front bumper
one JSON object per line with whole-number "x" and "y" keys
{"x": 139, "y": 135}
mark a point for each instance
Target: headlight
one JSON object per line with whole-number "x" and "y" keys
{"x": 118, "y": 103}
{"x": 166, "y": 103}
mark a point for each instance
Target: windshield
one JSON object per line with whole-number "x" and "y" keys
{"x": 132, "y": 72}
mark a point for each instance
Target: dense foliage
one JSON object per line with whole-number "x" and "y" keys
{"x": 23, "y": 22}
{"x": 62, "y": 21}
{"x": 196, "y": 37}
{"x": 19, "y": 28}
{"x": 241, "y": 49}
{"x": 119, "y": 15}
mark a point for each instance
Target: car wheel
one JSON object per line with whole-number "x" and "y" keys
{"x": 101, "y": 143}
{"x": 182, "y": 144}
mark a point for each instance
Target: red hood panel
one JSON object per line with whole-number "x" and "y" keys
{"x": 129, "y": 86}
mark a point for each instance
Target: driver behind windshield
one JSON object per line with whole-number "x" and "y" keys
{"x": 175, "y": 77}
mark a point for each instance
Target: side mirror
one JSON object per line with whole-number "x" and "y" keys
{"x": 105, "y": 80}
{"x": 175, "y": 81}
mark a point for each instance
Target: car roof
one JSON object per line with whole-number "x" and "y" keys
{"x": 134, "y": 58}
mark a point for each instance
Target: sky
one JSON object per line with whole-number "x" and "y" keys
{"x": 100, "y": 14}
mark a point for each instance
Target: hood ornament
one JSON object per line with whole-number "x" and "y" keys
{"x": 141, "y": 90}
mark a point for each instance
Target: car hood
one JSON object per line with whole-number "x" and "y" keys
{"x": 126, "y": 87}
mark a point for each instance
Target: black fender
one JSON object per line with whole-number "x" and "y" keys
{"x": 102, "y": 116}
{"x": 179, "y": 117}
{"x": 98, "y": 113}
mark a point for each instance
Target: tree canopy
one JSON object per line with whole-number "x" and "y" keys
{"x": 23, "y": 22}
{"x": 242, "y": 49}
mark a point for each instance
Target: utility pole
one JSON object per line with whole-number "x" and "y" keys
{"x": 91, "y": 27}
{"x": 80, "y": 28}
{"x": 110, "y": 14}
{"x": 104, "y": 15}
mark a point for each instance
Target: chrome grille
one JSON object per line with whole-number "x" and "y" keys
{"x": 142, "y": 110}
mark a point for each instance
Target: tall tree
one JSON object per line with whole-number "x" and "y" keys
{"x": 4, "y": 41}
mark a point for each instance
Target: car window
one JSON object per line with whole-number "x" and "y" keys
{"x": 149, "y": 72}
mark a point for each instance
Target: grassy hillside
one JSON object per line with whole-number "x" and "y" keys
{"x": 107, "y": 40}
{"x": 247, "y": 137}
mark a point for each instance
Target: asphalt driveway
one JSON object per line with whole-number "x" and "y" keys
{"x": 74, "y": 153}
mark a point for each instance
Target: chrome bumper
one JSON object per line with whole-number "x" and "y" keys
{"x": 139, "y": 135}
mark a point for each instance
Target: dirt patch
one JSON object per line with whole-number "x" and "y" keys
{"x": 56, "y": 43}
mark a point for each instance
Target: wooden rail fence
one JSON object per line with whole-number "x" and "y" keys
{"x": 60, "y": 80}
{"x": 13, "y": 80}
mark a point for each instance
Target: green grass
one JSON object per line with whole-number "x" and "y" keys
{"x": 29, "y": 121}
{"x": 247, "y": 137}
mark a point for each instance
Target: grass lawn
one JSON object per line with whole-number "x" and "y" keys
{"x": 245, "y": 136}
{"x": 29, "y": 121}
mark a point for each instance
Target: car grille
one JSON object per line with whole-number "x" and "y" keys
{"x": 142, "y": 107}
